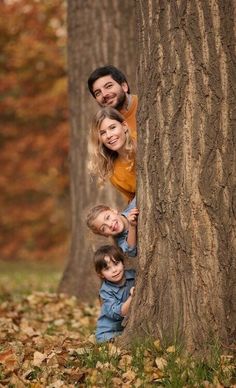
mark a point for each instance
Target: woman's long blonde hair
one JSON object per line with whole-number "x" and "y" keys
{"x": 102, "y": 158}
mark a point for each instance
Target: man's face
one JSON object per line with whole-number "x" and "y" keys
{"x": 109, "y": 223}
{"x": 108, "y": 92}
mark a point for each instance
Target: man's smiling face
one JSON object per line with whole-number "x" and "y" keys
{"x": 108, "y": 92}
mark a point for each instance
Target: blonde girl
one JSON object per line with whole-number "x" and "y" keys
{"x": 113, "y": 151}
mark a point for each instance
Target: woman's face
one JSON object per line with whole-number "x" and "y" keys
{"x": 112, "y": 134}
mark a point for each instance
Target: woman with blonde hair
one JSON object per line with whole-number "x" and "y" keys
{"x": 113, "y": 151}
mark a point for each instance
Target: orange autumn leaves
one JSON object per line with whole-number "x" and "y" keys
{"x": 46, "y": 340}
{"x": 33, "y": 130}
{"x": 38, "y": 334}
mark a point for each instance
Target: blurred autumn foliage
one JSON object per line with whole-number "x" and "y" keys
{"x": 33, "y": 130}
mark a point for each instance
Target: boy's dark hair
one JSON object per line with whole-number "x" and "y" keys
{"x": 111, "y": 70}
{"x": 113, "y": 252}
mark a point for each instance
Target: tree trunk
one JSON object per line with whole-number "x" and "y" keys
{"x": 186, "y": 172}
{"x": 99, "y": 33}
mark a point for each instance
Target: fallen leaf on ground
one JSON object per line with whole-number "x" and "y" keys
{"x": 160, "y": 363}
{"x": 39, "y": 358}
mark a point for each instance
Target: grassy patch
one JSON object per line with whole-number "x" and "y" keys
{"x": 148, "y": 364}
{"x": 19, "y": 278}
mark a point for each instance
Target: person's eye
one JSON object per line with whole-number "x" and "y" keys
{"x": 102, "y": 133}
{"x": 108, "y": 86}
{"x": 113, "y": 126}
{"x": 97, "y": 94}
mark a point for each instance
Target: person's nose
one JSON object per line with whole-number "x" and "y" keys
{"x": 104, "y": 92}
{"x": 109, "y": 224}
{"x": 109, "y": 134}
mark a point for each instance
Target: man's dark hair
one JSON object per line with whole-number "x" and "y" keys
{"x": 116, "y": 74}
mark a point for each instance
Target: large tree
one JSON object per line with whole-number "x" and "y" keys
{"x": 99, "y": 33}
{"x": 186, "y": 172}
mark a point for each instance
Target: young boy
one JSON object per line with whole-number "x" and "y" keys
{"x": 122, "y": 227}
{"x": 116, "y": 291}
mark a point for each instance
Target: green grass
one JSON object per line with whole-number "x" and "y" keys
{"x": 100, "y": 353}
{"x": 180, "y": 370}
{"x": 24, "y": 278}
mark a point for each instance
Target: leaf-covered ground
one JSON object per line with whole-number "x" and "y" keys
{"x": 39, "y": 337}
{"x": 46, "y": 340}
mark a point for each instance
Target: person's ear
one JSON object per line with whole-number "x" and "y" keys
{"x": 101, "y": 276}
{"x": 125, "y": 126}
{"x": 125, "y": 87}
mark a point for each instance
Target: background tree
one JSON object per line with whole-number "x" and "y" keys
{"x": 186, "y": 172}
{"x": 33, "y": 130}
{"x": 99, "y": 33}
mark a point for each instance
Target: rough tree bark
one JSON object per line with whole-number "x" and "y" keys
{"x": 99, "y": 33}
{"x": 186, "y": 172}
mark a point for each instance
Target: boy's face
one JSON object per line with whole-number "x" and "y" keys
{"x": 109, "y": 223}
{"x": 114, "y": 272}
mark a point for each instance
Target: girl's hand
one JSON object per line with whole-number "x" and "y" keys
{"x": 133, "y": 217}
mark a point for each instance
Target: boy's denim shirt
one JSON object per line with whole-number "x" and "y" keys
{"x": 113, "y": 296}
{"x": 121, "y": 239}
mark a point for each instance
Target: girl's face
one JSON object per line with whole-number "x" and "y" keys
{"x": 112, "y": 134}
{"x": 109, "y": 223}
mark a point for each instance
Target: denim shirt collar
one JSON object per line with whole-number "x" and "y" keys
{"x": 129, "y": 274}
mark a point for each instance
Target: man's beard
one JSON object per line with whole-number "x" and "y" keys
{"x": 120, "y": 102}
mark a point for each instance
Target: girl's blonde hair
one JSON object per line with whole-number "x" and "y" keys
{"x": 101, "y": 158}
